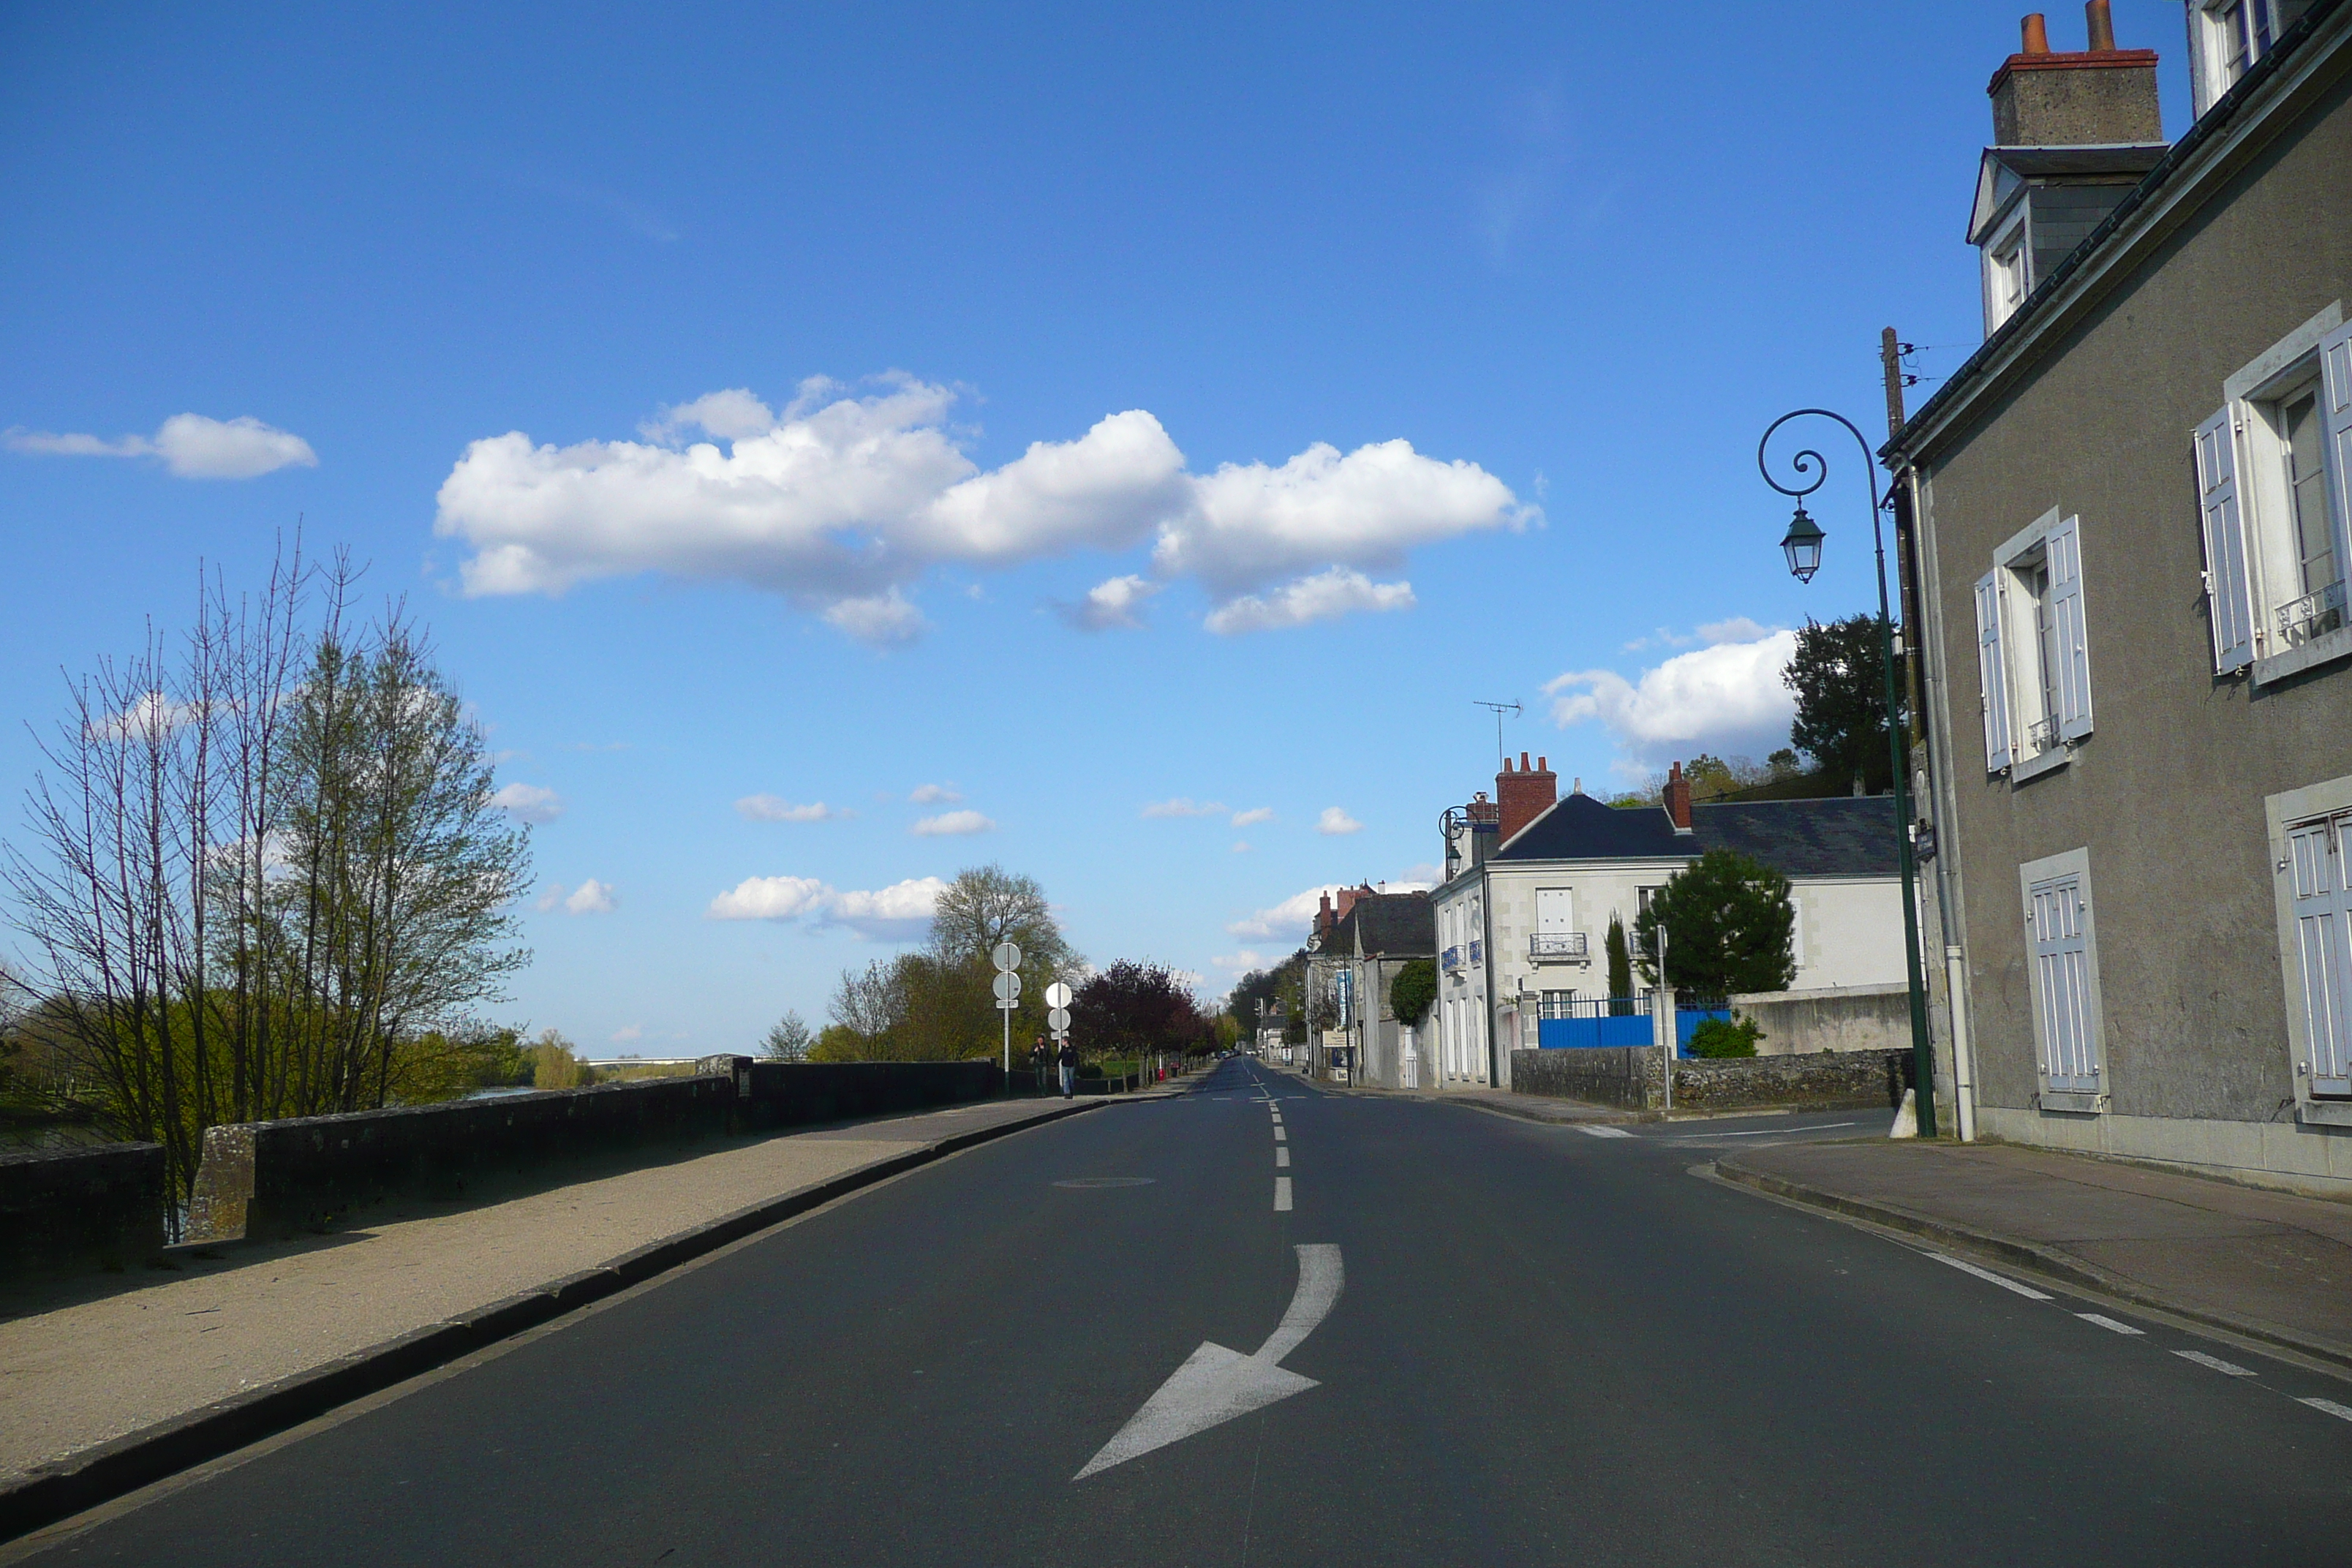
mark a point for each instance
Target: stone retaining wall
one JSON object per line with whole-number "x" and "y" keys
{"x": 1631, "y": 1078}
{"x": 61, "y": 1208}
{"x": 1858, "y": 1018}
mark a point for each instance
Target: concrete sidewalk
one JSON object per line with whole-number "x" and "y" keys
{"x": 103, "y": 1373}
{"x": 2270, "y": 1266}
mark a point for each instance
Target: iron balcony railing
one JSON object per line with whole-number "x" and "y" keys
{"x": 2313, "y": 616}
{"x": 1452, "y": 959}
{"x": 1557, "y": 944}
{"x": 2042, "y": 735}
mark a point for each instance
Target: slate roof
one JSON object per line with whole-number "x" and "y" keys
{"x": 1580, "y": 829}
{"x": 1398, "y": 925}
{"x": 1840, "y": 836}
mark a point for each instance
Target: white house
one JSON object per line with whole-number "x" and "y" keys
{"x": 1533, "y": 881}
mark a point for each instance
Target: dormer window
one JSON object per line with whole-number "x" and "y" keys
{"x": 2233, "y": 34}
{"x": 2008, "y": 267}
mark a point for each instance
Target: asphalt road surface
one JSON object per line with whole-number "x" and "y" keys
{"x": 1277, "y": 1326}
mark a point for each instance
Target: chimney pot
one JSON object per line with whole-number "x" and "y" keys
{"x": 2036, "y": 35}
{"x": 1543, "y": 764}
{"x": 1523, "y": 762}
{"x": 2101, "y": 26}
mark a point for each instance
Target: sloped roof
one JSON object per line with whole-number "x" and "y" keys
{"x": 1837, "y": 836}
{"x": 1842, "y": 836}
{"x": 1399, "y": 925}
{"x": 1580, "y": 829}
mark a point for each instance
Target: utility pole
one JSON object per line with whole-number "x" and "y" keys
{"x": 1890, "y": 359}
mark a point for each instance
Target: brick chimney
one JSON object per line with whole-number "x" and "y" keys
{"x": 1524, "y": 794}
{"x": 1324, "y": 918}
{"x": 1677, "y": 798}
{"x": 1348, "y": 897}
{"x": 2099, "y": 96}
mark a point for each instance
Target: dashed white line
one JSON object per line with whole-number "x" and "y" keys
{"x": 2341, "y": 1411}
{"x": 1986, "y": 1274}
{"x": 1604, "y": 1133}
{"x": 1280, "y": 1136}
{"x": 2228, "y": 1369}
{"x": 1282, "y": 1195}
{"x": 2109, "y": 1323}
{"x": 1282, "y": 1159}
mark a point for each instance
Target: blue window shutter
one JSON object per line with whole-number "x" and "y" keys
{"x": 1991, "y": 670}
{"x": 2228, "y": 588}
{"x": 2336, "y": 401}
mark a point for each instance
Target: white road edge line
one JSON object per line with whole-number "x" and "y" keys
{"x": 2109, "y": 1323}
{"x": 1774, "y": 1131}
{"x": 1987, "y": 1274}
{"x": 1282, "y": 1195}
{"x": 2341, "y": 1411}
{"x": 2228, "y": 1369}
{"x": 1282, "y": 1159}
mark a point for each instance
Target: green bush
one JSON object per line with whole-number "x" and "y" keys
{"x": 1719, "y": 1037}
{"x": 1413, "y": 989}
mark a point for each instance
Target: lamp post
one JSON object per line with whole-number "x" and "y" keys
{"x": 1802, "y": 545}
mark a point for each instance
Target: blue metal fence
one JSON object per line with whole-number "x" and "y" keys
{"x": 1586, "y": 1023}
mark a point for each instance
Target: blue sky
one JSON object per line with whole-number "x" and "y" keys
{"x": 1536, "y": 277}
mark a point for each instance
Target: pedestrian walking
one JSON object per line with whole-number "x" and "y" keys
{"x": 1041, "y": 1056}
{"x": 1069, "y": 1060}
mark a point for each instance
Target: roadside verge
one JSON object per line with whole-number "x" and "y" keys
{"x": 83, "y": 1480}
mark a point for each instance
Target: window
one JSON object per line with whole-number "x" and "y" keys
{"x": 2273, "y": 465}
{"x": 1557, "y": 1004}
{"x": 2007, "y": 271}
{"x": 2033, "y": 651}
{"x": 2231, "y": 36}
{"x": 2062, "y": 964}
{"x": 2321, "y": 910}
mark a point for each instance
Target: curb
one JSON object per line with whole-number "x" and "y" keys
{"x": 109, "y": 1470}
{"x": 2046, "y": 1261}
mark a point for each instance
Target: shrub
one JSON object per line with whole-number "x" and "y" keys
{"x": 1720, "y": 1037}
{"x": 1413, "y": 991}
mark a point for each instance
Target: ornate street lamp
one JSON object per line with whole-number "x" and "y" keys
{"x": 1803, "y": 545}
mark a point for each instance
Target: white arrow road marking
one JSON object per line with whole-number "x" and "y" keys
{"x": 1215, "y": 1384}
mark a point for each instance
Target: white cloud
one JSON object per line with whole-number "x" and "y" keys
{"x": 1284, "y": 921}
{"x": 842, "y": 502}
{"x": 877, "y": 619}
{"x": 1727, "y": 699}
{"x": 1335, "y": 821}
{"x": 1416, "y": 880}
{"x": 1116, "y": 603}
{"x": 628, "y": 1034}
{"x": 1253, "y": 816}
{"x": 190, "y": 445}
{"x": 1240, "y": 846}
{"x": 935, "y": 795}
{"x": 951, "y": 823}
{"x": 1245, "y": 959}
{"x": 899, "y": 912}
{"x": 773, "y": 808}
{"x": 1738, "y": 629}
{"x": 770, "y": 899}
{"x": 1183, "y": 806}
{"x": 1324, "y": 596}
{"x": 528, "y": 803}
{"x": 592, "y": 898}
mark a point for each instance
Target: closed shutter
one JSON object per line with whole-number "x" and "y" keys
{"x": 2227, "y": 588}
{"x": 1991, "y": 670}
{"x": 2063, "y": 552}
{"x": 2323, "y": 928}
{"x": 2336, "y": 400}
{"x": 2062, "y": 970}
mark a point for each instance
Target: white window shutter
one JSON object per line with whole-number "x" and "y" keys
{"x": 2063, "y": 551}
{"x": 2335, "y": 399}
{"x": 2228, "y": 589}
{"x": 1993, "y": 671}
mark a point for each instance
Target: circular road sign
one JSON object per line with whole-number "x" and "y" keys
{"x": 1058, "y": 1019}
{"x": 1058, "y": 994}
{"x": 1008, "y": 986}
{"x": 1007, "y": 956}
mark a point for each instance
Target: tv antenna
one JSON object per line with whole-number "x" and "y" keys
{"x": 1499, "y": 709}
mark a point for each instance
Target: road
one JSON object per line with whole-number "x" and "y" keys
{"x": 1521, "y": 1343}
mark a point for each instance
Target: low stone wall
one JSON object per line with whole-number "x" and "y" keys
{"x": 1632, "y": 1078}
{"x": 67, "y": 1207}
{"x": 279, "y": 1178}
{"x": 1857, "y": 1018}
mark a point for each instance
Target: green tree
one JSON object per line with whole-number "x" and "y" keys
{"x": 1838, "y": 677}
{"x": 788, "y": 1039}
{"x": 1620, "y": 967}
{"x": 1728, "y": 921}
{"x": 1414, "y": 991}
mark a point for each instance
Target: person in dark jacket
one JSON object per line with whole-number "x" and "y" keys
{"x": 1069, "y": 1060}
{"x": 1041, "y": 1056}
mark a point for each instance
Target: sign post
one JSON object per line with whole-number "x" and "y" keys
{"x": 1007, "y": 958}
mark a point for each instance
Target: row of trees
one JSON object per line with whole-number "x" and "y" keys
{"x": 935, "y": 1002}
{"x": 263, "y": 876}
